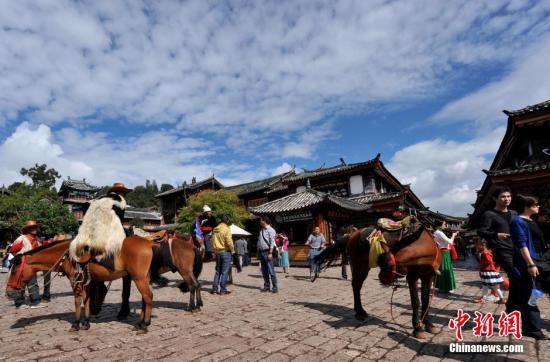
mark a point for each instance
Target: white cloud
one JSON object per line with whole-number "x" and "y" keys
{"x": 444, "y": 173}
{"x": 526, "y": 84}
{"x": 285, "y": 167}
{"x": 266, "y": 67}
{"x": 158, "y": 155}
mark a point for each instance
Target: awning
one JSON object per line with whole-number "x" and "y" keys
{"x": 235, "y": 230}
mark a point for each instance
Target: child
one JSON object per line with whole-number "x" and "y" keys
{"x": 282, "y": 243}
{"x": 489, "y": 273}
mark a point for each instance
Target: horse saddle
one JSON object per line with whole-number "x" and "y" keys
{"x": 107, "y": 261}
{"x": 390, "y": 225}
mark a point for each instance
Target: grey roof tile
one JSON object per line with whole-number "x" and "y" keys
{"x": 306, "y": 199}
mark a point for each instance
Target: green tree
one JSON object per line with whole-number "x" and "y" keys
{"x": 41, "y": 175}
{"x": 40, "y": 204}
{"x": 166, "y": 187}
{"x": 221, "y": 201}
{"x": 144, "y": 196}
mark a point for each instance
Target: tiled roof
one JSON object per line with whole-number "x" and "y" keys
{"x": 520, "y": 170}
{"x": 330, "y": 170}
{"x": 529, "y": 109}
{"x": 135, "y": 213}
{"x": 80, "y": 185}
{"x": 370, "y": 198}
{"x": 191, "y": 186}
{"x": 306, "y": 199}
{"x": 259, "y": 185}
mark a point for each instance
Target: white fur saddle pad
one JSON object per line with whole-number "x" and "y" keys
{"x": 101, "y": 229}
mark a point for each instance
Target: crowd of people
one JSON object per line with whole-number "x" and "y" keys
{"x": 508, "y": 240}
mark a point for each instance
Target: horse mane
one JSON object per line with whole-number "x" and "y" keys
{"x": 407, "y": 240}
{"x": 43, "y": 247}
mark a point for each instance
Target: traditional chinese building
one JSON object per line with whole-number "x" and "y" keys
{"x": 259, "y": 192}
{"x": 150, "y": 218}
{"x": 173, "y": 200}
{"x": 332, "y": 197}
{"x": 76, "y": 194}
{"x": 522, "y": 161}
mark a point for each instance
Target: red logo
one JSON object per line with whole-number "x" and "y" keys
{"x": 508, "y": 324}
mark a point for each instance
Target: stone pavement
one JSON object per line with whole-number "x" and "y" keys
{"x": 304, "y": 322}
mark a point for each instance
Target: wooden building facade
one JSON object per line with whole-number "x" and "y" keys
{"x": 76, "y": 194}
{"x": 173, "y": 200}
{"x": 522, "y": 161}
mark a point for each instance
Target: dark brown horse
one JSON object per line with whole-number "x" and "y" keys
{"x": 415, "y": 255}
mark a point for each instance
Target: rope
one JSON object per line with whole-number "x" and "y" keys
{"x": 49, "y": 272}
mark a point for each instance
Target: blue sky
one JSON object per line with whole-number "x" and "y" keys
{"x": 169, "y": 90}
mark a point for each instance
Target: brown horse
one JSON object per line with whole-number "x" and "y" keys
{"x": 416, "y": 256}
{"x": 178, "y": 254}
{"x": 53, "y": 257}
{"x": 134, "y": 260}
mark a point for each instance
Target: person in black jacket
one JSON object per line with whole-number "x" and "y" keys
{"x": 495, "y": 229}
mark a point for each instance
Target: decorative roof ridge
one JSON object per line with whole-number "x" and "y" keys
{"x": 528, "y": 109}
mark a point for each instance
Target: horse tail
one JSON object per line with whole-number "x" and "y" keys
{"x": 197, "y": 263}
{"x": 97, "y": 291}
{"x": 329, "y": 255}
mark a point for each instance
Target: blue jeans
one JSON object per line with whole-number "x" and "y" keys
{"x": 223, "y": 264}
{"x": 313, "y": 266}
{"x": 268, "y": 269}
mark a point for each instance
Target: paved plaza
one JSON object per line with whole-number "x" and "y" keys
{"x": 304, "y": 322}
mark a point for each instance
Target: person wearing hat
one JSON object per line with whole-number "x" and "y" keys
{"x": 208, "y": 223}
{"x": 27, "y": 241}
{"x": 118, "y": 192}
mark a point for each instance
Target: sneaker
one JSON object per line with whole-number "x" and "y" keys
{"x": 225, "y": 292}
{"x": 214, "y": 291}
{"x": 275, "y": 291}
{"x": 264, "y": 290}
{"x": 36, "y": 306}
{"x": 22, "y": 306}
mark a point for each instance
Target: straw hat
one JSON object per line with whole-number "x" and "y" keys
{"x": 119, "y": 187}
{"x": 29, "y": 225}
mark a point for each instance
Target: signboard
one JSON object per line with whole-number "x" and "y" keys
{"x": 299, "y": 216}
{"x": 338, "y": 215}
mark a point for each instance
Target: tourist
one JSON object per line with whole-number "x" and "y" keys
{"x": 282, "y": 243}
{"x": 529, "y": 245}
{"x": 223, "y": 248}
{"x": 316, "y": 240}
{"x": 495, "y": 229}
{"x": 208, "y": 223}
{"x": 489, "y": 273}
{"x": 27, "y": 241}
{"x": 266, "y": 245}
{"x": 241, "y": 247}
{"x": 446, "y": 279}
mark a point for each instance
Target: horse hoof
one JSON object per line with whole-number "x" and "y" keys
{"x": 420, "y": 334}
{"x": 141, "y": 331}
{"x": 432, "y": 329}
